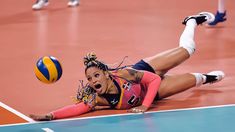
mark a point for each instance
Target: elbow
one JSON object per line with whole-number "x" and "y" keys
{"x": 149, "y": 77}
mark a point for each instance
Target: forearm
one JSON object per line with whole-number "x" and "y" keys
{"x": 152, "y": 81}
{"x": 71, "y": 110}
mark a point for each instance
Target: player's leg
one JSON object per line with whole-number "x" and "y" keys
{"x": 220, "y": 15}
{"x": 73, "y": 3}
{"x": 167, "y": 60}
{"x": 174, "y": 84}
{"x": 39, "y": 4}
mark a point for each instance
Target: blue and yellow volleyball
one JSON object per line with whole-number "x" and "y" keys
{"x": 48, "y": 69}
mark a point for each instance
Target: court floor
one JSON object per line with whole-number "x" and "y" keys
{"x": 112, "y": 29}
{"x": 209, "y": 119}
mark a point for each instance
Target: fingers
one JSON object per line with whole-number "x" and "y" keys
{"x": 34, "y": 117}
{"x": 41, "y": 117}
{"x": 136, "y": 110}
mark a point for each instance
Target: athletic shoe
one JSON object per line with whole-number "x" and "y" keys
{"x": 40, "y": 4}
{"x": 219, "y": 17}
{"x": 203, "y": 17}
{"x": 73, "y": 3}
{"x": 214, "y": 76}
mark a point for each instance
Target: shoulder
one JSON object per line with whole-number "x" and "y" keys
{"x": 130, "y": 74}
{"x": 127, "y": 71}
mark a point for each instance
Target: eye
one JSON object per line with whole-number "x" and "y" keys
{"x": 89, "y": 78}
{"x": 97, "y": 75}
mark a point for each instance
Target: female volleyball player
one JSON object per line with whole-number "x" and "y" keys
{"x": 137, "y": 87}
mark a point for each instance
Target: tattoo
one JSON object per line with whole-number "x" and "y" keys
{"x": 132, "y": 72}
{"x": 135, "y": 74}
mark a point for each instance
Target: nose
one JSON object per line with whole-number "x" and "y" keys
{"x": 93, "y": 81}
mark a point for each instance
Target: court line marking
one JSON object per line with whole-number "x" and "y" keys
{"x": 16, "y": 113}
{"x": 47, "y": 130}
{"x": 124, "y": 114}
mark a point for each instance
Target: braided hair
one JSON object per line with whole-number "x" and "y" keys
{"x": 90, "y": 60}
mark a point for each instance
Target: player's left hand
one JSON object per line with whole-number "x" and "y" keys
{"x": 138, "y": 109}
{"x": 46, "y": 117}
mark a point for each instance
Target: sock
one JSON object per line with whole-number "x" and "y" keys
{"x": 221, "y": 8}
{"x": 200, "y": 79}
{"x": 187, "y": 37}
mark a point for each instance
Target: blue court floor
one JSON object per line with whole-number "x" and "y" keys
{"x": 211, "y": 119}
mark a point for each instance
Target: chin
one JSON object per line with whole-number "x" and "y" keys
{"x": 99, "y": 92}
{"x": 102, "y": 91}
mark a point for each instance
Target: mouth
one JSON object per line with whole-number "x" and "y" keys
{"x": 97, "y": 86}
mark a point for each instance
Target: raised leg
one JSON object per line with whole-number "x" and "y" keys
{"x": 167, "y": 60}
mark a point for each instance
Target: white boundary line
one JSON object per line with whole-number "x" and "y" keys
{"x": 125, "y": 114}
{"x": 47, "y": 130}
{"x": 16, "y": 112}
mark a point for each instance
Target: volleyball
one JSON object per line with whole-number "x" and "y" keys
{"x": 48, "y": 69}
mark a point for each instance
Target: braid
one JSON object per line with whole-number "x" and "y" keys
{"x": 120, "y": 65}
{"x": 90, "y": 60}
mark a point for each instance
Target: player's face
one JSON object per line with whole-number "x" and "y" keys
{"x": 97, "y": 79}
